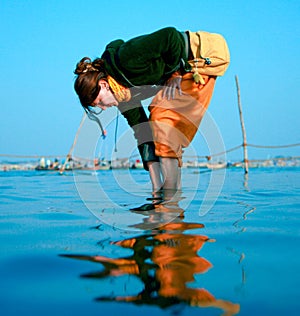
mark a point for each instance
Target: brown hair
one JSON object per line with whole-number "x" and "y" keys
{"x": 88, "y": 75}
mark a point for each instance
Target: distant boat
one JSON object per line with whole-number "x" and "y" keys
{"x": 101, "y": 165}
{"x": 57, "y": 168}
{"x": 197, "y": 165}
{"x": 48, "y": 165}
{"x": 218, "y": 165}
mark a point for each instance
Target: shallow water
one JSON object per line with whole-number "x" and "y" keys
{"x": 65, "y": 251}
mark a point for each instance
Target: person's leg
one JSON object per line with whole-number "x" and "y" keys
{"x": 155, "y": 175}
{"x": 175, "y": 123}
{"x": 171, "y": 173}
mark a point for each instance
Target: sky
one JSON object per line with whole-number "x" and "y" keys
{"x": 41, "y": 42}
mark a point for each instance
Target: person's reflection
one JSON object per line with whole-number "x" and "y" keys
{"x": 165, "y": 260}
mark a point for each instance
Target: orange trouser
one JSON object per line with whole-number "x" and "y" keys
{"x": 175, "y": 122}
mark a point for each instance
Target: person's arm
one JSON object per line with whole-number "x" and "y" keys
{"x": 138, "y": 121}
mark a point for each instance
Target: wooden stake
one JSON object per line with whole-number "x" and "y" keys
{"x": 243, "y": 126}
{"x": 62, "y": 169}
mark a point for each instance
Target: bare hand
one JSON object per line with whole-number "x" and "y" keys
{"x": 171, "y": 86}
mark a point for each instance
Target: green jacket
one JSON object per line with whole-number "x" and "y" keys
{"x": 146, "y": 61}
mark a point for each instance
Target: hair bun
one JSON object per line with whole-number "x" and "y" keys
{"x": 86, "y": 65}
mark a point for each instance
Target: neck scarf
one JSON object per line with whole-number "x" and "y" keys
{"x": 121, "y": 93}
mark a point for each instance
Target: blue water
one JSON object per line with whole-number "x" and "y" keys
{"x": 68, "y": 252}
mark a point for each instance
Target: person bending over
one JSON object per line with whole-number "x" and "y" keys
{"x": 163, "y": 65}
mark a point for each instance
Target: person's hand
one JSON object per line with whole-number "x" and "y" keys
{"x": 173, "y": 84}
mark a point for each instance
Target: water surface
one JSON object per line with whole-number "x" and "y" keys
{"x": 241, "y": 257}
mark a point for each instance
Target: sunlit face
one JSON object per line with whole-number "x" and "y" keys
{"x": 105, "y": 98}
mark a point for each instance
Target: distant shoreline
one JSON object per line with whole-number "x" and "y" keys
{"x": 101, "y": 165}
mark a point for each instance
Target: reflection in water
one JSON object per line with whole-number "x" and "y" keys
{"x": 165, "y": 259}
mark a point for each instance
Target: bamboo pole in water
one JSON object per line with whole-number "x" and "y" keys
{"x": 62, "y": 169}
{"x": 242, "y": 126}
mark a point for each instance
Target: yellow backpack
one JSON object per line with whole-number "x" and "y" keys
{"x": 211, "y": 54}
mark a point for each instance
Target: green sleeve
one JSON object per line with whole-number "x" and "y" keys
{"x": 138, "y": 121}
